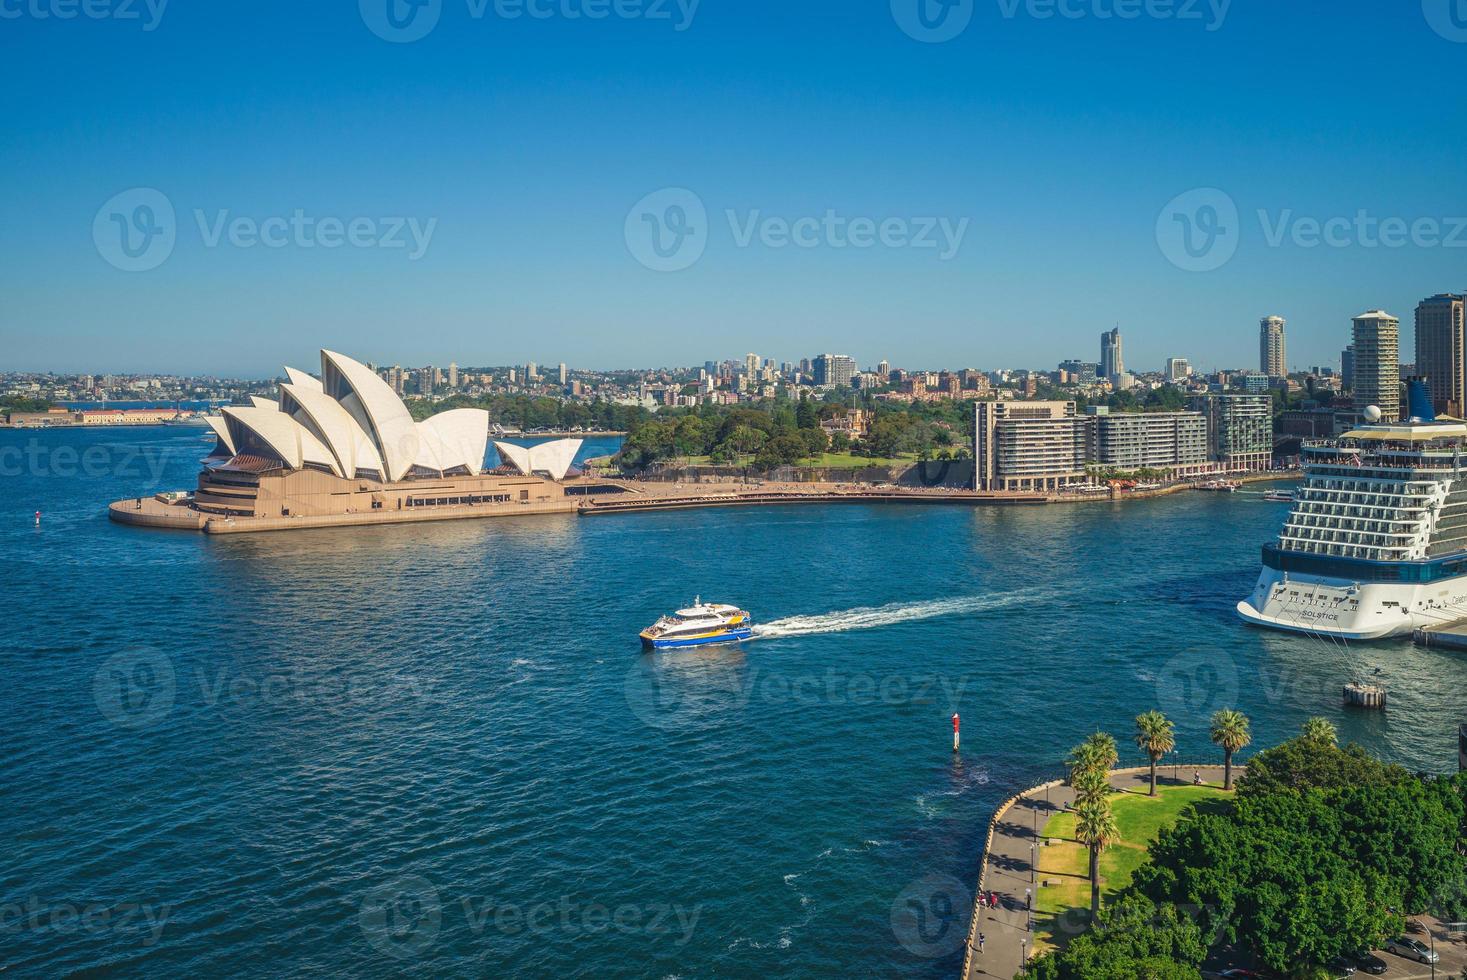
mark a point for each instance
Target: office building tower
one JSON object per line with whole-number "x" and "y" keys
{"x": 1272, "y": 358}
{"x": 1112, "y": 364}
{"x": 1378, "y": 363}
{"x": 1178, "y": 369}
{"x": 1441, "y": 351}
{"x": 1347, "y": 366}
{"x": 563, "y": 374}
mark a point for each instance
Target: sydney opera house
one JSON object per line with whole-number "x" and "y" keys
{"x": 343, "y": 448}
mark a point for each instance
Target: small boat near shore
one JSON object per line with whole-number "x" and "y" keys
{"x": 1280, "y": 496}
{"x": 1219, "y": 486}
{"x": 701, "y": 624}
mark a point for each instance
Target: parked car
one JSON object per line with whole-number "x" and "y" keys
{"x": 1371, "y": 964}
{"x": 1411, "y": 949}
{"x": 1238, "y": 973}
{"x": 1339, "y": 968}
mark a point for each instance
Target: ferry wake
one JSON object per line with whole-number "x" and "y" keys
{"x": 1375, "y": 544}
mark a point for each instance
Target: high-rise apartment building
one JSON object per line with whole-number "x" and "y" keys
{"x": 751, "y": 365}
{"x": 1175, "y": 441}
{"x": 532, "y": 372}
{"x": 1441, "y": 351}
{"x": 1033, "y": 446}
{"x": 834, "y": 370}
{"x": 564, "y": 375}
{"x": 1378, "y": 363}
{"x": 453, "y": 376}
{"x": 1239, "y": 429}
{"x": 1112, "y": 364}
{"x": 1178, "y": 369}
{"x": 1272, "y": 357}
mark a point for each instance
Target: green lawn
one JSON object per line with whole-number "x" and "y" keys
{"x": 1140, "y": 818}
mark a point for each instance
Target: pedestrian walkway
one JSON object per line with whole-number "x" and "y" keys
{"x": 1009, "y": 866}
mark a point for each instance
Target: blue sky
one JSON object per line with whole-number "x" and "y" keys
{"x": 520, "y": 148}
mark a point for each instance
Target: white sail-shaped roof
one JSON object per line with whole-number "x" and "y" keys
{"x": 376, "y": 408}
{"x": 301, "y": 379}
{"x": 225, "y": 446}
{"x": 269, "y": 403}
{"x": 460, "y": 438}
{"x": 265, "y": 429}
{"x": 352, "y": 448}
{"x": 516, "y": 456}
{"x": 552, "y": 458}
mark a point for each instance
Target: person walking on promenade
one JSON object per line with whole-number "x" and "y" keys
{"x": 980, "y": 942}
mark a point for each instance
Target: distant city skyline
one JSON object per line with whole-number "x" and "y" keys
{"x": 842, "y": 184}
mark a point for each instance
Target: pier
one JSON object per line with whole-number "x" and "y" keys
{"x": 1451, "y": 636}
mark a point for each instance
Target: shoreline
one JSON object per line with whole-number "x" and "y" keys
{"x": 164, "y": 512}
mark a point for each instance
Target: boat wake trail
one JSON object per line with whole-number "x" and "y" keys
{"x": 873, "y": 617}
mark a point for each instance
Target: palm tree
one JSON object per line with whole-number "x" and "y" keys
{"x": 1321, "y": 731}
{"x": 1095, "y": 828}
{"x": 1096, "y": 754}
{"x": 1090, "y": 784}
{"x": 1156, "y": 736}
{"x": 1230, "y": 730}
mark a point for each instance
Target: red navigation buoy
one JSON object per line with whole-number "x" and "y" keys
{"x": 38, "y": 518}
{"x": 955, "y": 731}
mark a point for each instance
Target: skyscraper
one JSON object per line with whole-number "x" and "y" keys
{"x": 751, "y": 365}
{"x": 1441, "y": 351}
{"x": 1272, "y": 359}
{"x": 532, "y": 372}
{"x": 563, "y": 374}
{"x": 1378, "y": 363}
{"x": 835, "y": 370}
{"x": 1347, "y": 366}
{"x": 1112, "y": 364}
{"x": 1178, "y": 369}
{"x": 453, "y": 375}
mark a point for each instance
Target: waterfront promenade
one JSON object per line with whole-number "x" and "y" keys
{"x": 1009, "y": 858}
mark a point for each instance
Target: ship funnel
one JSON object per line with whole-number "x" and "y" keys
{"x": 1418, "y": 399}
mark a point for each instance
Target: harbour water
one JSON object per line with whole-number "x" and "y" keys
{"x": 439, "y": 749}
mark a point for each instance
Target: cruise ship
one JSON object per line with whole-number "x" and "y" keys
{"x": 700, "y": 624}
{"x": 1375, "y": 544}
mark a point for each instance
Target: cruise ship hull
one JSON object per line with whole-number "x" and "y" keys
{"x": 1347, "y": 610}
